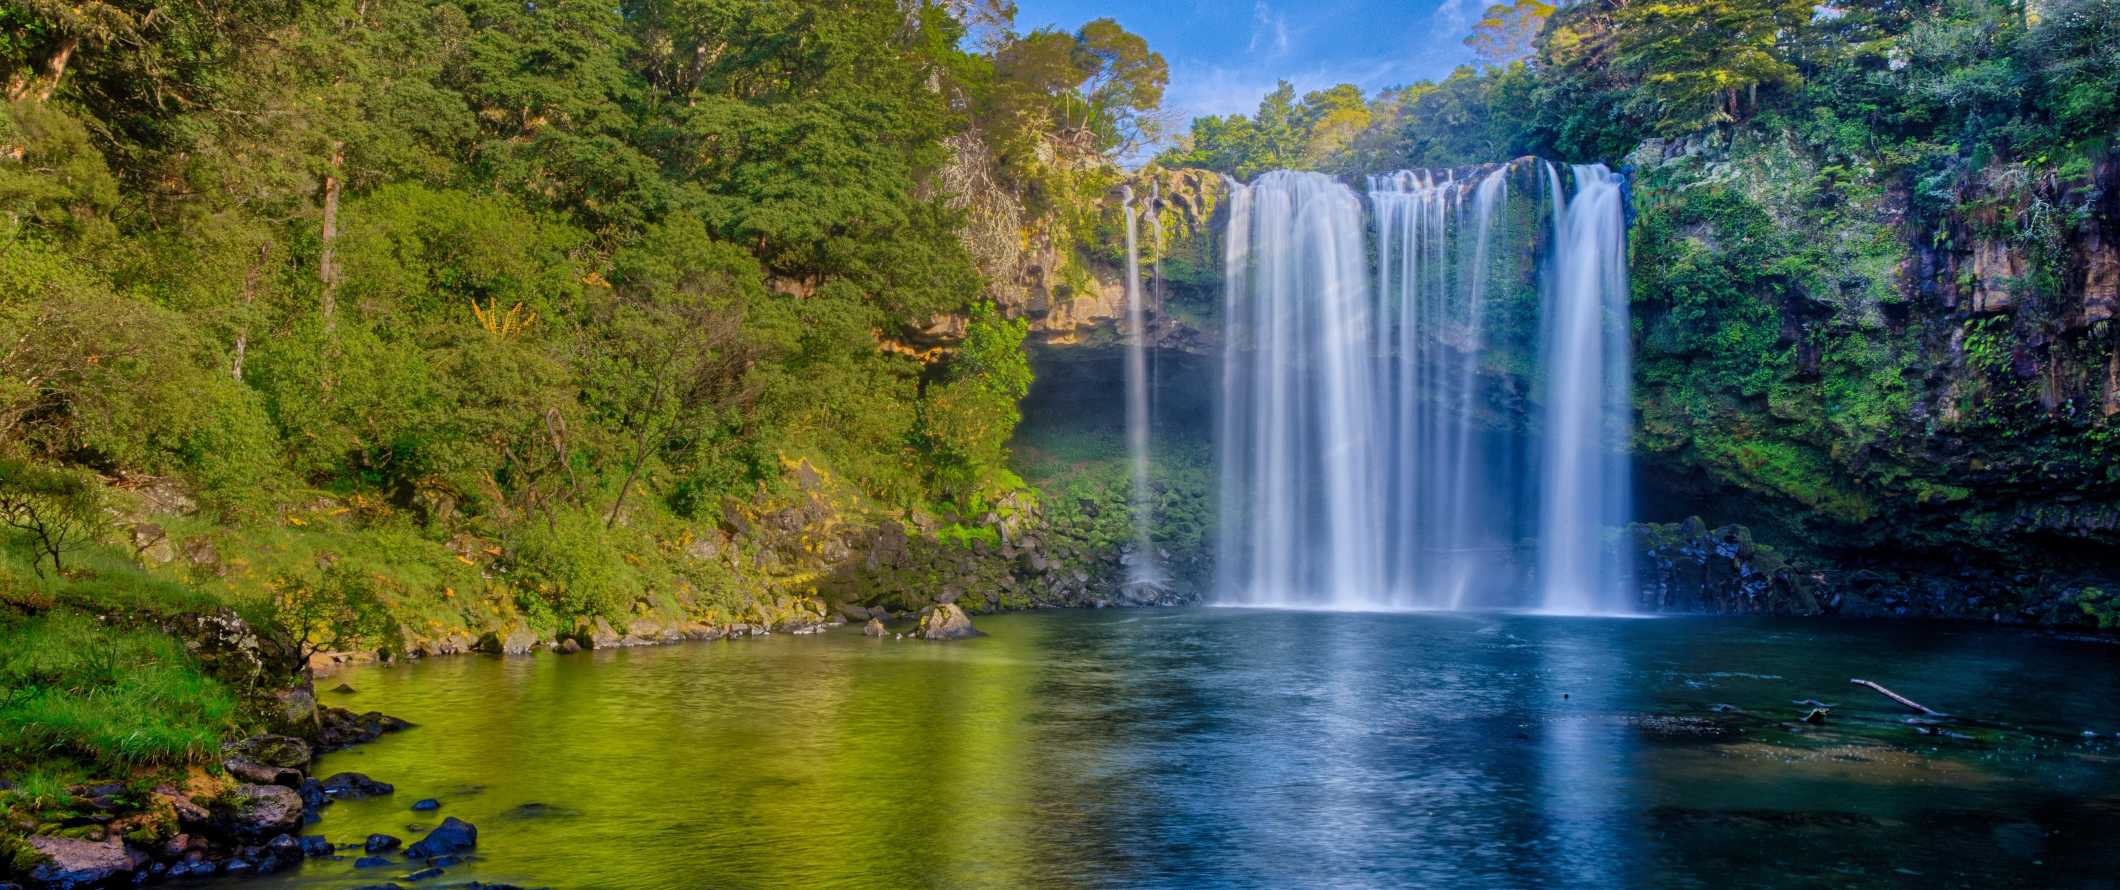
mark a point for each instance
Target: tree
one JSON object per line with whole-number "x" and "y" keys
{"x": 340, "y": 609}
{"x": 1507, "y": 33}
{"x": 680, "y": 353}
{"x": 1123, "y": 84}
{"x": 1694, "y": 59}
{"x": 58, "y": 508}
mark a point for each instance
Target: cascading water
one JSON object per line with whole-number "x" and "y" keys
{"x": 1299, "y": 391}
{"x": 1142, "y": 568}
{"x": 1584, "y": 475}
{"x": 1430, "y": 301}
{"x": 1362, "y": 463}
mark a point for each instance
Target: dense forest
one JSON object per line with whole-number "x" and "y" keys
{"x": 390, "y": 324}
{"x": 417, "y": 326}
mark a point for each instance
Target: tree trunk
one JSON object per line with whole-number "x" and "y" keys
{"x": 250, "y": 298}
{"x": 55, "y": 70}
{"x": 640, "y": 444}
{"x": 327, "y": 255}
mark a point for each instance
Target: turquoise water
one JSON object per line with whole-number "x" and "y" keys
{"x": 1238, "y": 748}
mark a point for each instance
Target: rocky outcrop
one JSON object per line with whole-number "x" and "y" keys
{"x": 1688, "y": 567}
{"x": 945, "y": 622}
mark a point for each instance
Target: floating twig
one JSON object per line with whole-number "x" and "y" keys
{"x": 1917, "y": 707}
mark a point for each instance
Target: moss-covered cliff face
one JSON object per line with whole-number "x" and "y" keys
{"x": 1874, "y": 379}
{"x": 1064, "y": 270}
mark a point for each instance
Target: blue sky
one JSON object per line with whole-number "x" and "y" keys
{"x": 1225, "y": 54}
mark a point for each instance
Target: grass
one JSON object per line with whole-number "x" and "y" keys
{"x": 75, "y": 692}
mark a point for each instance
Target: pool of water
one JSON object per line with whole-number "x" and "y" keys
{"x": 1241, "y": 748}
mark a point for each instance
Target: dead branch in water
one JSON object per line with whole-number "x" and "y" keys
{"x": 1910, "y": 703}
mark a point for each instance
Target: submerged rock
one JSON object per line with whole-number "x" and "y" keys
{"x": 426, "y": 805}
{"x": 355, "y": 786}
{"x": 452, "y": 836}
{"x": 380, "y": 843}
{"x": 946, "y": 622}
{"x": 339, "y": 727}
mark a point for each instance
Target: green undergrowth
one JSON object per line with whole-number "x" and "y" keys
{"x": 80, "y": 696}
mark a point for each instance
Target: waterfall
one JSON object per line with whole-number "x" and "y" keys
{"x": 1300, "y": 384}
{"x": 1142, "y": 569}
{"x": 1431, "y": 295}
{"x": 1584, "y": 475}
{"x": 1364, "y": 462}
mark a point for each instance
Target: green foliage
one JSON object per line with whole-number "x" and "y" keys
{"x": 2100, "y": 607}
{"x": 571, "y": 567}
{"x": 967, "y": 417}
{"x": 1988, "y": 343}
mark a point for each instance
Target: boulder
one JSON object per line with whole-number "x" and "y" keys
{"x": 152, "y": 545}
{"x": 945, "y": 622}
{"x": 267, "y": 810}
{"x": 270, "y": 750}
{"x": 283, "y": 851}
{"x": 452, "y": 836}
{"x": 261, "y": 774}
{"x": 71, "y": 863}
{"x": 519, "y": 641}
{"x": 380, "y": 843}
{"x": 874, "y": 628}
{"x": 316, "y": 846}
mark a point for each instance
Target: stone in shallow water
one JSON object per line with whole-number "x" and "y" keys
{"x": 452, "y": 836}
{"x": 946, "y": 622}
{"x": 380, "y": 843}
{"x": 426, "y": 805}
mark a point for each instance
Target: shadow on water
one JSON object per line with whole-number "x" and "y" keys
{"x": 1249, "y": 748}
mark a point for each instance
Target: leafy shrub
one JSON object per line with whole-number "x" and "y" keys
{"x": 571, "y": 568}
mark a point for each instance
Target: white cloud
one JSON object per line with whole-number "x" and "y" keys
{"x": 1269, "y": 31}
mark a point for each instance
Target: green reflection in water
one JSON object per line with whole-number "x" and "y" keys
{"x": 1231, "y": 748}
